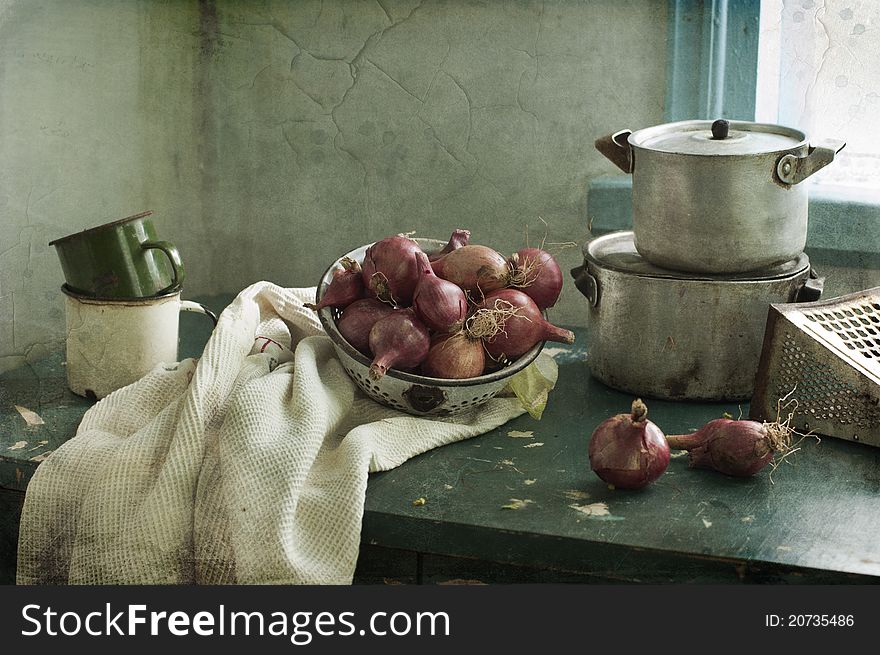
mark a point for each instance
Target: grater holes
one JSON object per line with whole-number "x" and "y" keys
{"x": 820, "y": 394}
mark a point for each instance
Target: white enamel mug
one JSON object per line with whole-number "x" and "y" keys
{"x": 114, "y": 342}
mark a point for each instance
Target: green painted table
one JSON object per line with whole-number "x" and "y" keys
{"x": 817, "y": 521}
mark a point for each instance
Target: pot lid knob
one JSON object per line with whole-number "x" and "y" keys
{"x": 720, "y": 129}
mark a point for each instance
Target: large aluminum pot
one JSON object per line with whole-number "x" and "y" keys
{"x": 722, "y": 197}
{"x": 679, "y": 336}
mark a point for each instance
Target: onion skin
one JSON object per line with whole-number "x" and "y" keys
{"x": 738, "y": 448}
{"x": 478, "y": 270}
{"x": 440, "y": 304}
{"x": 629, "y": 451}
{"x": 458, "y": 239}
{"x": 454, "y": 357}
{"x": 358, "y": 319}
{"x": 346, "y": 286}
{"x": 390, "y": 272}
{"x": 400, "y": 340}
{"x": 523, "y": 330}
{"x": 537, "y": 274}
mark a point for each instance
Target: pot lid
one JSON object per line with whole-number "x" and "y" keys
{"x": 718, "y": 138}
{"x": 617, "y": 251}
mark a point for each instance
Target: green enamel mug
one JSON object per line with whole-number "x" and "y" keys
{"x": 121, "y": 259}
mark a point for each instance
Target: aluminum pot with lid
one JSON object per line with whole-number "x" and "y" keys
{"x": 718, "y": 197}
{"x": 680, "y": 336}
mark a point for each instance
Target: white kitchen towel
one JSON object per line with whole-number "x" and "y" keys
{"x": 237, "y": 468}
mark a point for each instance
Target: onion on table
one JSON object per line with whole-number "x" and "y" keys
{"x": 734, "y": 447}
{"x": 627, "y": 450}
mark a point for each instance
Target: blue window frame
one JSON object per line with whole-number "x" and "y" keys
{"x": 713, "y": 59}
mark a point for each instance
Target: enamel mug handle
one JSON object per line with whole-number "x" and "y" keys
{"x": 177, "y": 271}
{"x": 190, "y": 306}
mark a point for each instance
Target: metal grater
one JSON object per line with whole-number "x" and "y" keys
{"x": 826, "y": 355}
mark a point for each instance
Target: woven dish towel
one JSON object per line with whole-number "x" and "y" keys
{"x": 244, "y": 467}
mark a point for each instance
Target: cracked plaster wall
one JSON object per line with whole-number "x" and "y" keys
{"x": 270, "y": 137}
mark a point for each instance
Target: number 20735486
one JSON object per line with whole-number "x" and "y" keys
{"x": 809, "y": 620}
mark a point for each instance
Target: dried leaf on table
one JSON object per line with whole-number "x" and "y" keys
{"x": 533, "y": 384}
{"x": 30, "y": 417}
{"x": 516, "y": 503}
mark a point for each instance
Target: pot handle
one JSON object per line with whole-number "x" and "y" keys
{"x": 616, "y": 148}
{"x": 812, "y": 289}
{"x": 586, "y": 283}
{"x": 792, "y": 169}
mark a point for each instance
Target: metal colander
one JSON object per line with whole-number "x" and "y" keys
{"x": 415, "y": 394}
{"x": 826, "y": 356}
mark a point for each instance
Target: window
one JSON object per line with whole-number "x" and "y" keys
{"x": 819, "y": 71}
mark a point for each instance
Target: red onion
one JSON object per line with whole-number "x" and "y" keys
{"x": 440, "y": 304}
{"x": 346, "y": 286}
{"x": 454, "y": 357}
{"x": 629, "y": 451}
{"x": 520, "y": 325}
{"x": 390, "y": 270}
{"x": 476, "y": 269}
{"x": 400, "y": 340}
{"x": 538, "y": 275}
{"x": 740, "y": 448}
{"x": 458, "y": 239}
{"x": 358, "y": 319}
